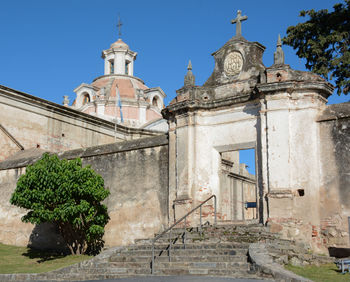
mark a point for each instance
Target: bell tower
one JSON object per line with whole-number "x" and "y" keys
{"x": 119, "y": 59}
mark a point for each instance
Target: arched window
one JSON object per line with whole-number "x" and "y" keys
{"x": 155, "y": 101}
{"x": 127, "y": 63}
{"x": 111, "y": 67}
{"x": 86, "y": 99}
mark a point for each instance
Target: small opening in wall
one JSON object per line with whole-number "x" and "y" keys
{"x": 278, "y": 75}
{"x": 301, "y": 192}
{"x": 38, "y": 145}
{"x": 62, "y": 134}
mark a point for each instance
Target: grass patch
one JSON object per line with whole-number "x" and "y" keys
{"x": 324, "y": 273}
{"x": 15, "y": 259}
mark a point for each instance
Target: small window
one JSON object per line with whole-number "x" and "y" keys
{"x": 86, "y": 99}
{"x": 127, "y": 67}
{"x": 111, "y": 67}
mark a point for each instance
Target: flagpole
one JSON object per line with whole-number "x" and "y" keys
{"x": 116, "y": 115}
{"x": 118, "y": 104}
{"x": 115, "y": 128}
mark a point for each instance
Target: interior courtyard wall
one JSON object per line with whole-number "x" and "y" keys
{"x": 135, "y": 172}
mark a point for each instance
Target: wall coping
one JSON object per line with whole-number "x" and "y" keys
{"x": 335, "y": 111}
{"x": 142, "y": 143}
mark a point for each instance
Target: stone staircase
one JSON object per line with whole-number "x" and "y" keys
{"x": 216, "y": 251}
{"x": 220, "y": 250}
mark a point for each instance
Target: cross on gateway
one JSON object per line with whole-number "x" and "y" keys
{"x": 238, "y": 21}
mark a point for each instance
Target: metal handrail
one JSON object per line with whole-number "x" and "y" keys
{"x": 177, "y": 222}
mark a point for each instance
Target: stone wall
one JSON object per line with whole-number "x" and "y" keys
{"x": 29, "y": 122}
{"x": 136, "y": 173}
{"x": 334, "y": 125}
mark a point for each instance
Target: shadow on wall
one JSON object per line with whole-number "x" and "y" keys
{"x": 45, "y": 236}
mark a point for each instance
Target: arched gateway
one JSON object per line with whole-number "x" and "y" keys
{"x": 245, "y": 105}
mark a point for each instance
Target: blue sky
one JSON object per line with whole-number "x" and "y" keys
{"x": 50, "y": 47}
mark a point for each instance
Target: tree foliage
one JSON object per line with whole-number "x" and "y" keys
{"x": 65, "y": 193}
{"x": 324, "y": 41}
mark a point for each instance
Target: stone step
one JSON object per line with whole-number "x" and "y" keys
{"x": 207, "y": 272}
{"x": 181, "y": 264}
{"x": 166, "y": 269}
{"x": 193, "y": 252}
{"x": 223, "y": 228}
{"x": 202, "y": 258}
{"x": 214, "y": 233}
{"x": 231, "y": 237}
{"x": 198, "y": 245}
{"x": 140, "y": 274}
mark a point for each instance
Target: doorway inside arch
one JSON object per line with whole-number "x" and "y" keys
{"x": 238, "y": 187}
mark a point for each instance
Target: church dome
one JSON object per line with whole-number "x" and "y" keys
{"x": 127, "y": 86}
{"x": 120, "y": 44}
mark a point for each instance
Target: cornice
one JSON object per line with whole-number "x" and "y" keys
{"x": 156, "y": 89}
{"x": 192, "y": 105}
{"x": 325, "y": 89}
{"x": 119, "y": 50}
{"x": 87, "y": 86}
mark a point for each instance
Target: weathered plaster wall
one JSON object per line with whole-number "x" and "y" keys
{"x": 334, "y": 141}
{"x": 200, "y": 138}
{"x": 292, "y": 169}
{"x": 136, "y": 173}
{"x": 8, "y": 145}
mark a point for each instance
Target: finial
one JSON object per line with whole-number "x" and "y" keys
{"x": 189, "y": 67}
{"x": 278, "y": 56}
{"x": 189, "y": 77}
{"x": 238, "y": 23}
{"x": 279, "y": 41}
{"x": 65, "y": 101}
{"x": 119, "y": 26}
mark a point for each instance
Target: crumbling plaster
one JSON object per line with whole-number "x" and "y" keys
{"x": 136, "y": 174}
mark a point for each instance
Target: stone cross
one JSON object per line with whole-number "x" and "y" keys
{"x": 238, "y": 21}
{"x": 119, "y": 25}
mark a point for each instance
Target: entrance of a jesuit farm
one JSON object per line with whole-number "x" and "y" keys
{"x": 238, "y": 188}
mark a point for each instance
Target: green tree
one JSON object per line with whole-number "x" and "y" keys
{"x": 324, "y": 41}
{"x": 65, "y": 193}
